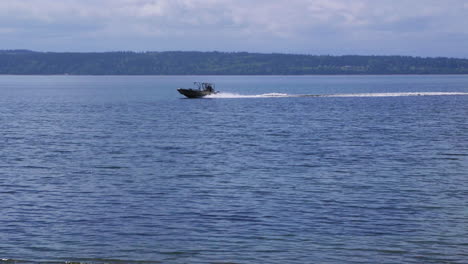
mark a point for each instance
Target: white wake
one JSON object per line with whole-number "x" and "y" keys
{"x": 395, "y": 94}
{"x": 273, "y": 95}
{"x": 234, "y": 95}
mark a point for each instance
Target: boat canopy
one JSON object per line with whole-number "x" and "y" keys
{"x": 205, "y": 86}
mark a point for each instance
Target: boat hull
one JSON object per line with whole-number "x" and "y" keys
{"x": 191, "y": 93}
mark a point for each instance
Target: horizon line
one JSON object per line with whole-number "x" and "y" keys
{"x": 217, "y": 51}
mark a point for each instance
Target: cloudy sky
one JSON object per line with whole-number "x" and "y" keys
{"x": 371, "y": 27}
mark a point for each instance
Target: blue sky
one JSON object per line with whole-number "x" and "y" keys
{"x": 367, "y": 27}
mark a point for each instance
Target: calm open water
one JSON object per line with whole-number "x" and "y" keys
{"x": 123, "y": 169}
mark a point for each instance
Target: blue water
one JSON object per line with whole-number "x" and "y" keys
{"x": 123, "y": 169}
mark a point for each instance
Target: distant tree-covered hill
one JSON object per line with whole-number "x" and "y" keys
{"x": 218, "y": 63}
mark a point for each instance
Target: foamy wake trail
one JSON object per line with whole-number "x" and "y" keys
{"x": 272, "y": 95}
{"x": 234, "y": 95}
{"x": 395, "y": 94}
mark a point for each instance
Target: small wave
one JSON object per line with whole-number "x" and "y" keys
{"x": 78, "y": 261}
{"x": 273, "y": 95}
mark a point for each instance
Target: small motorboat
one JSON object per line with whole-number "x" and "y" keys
{"x": 202, "y": 89}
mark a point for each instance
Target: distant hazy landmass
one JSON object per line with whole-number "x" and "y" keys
{"x": 218, "y": 63}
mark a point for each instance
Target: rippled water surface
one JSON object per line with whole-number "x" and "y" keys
{"x": 123, "y": 169}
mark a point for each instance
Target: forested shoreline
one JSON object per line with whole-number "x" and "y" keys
{"x": 25, "y": 62}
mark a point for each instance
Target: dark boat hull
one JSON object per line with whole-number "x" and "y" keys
{"x": 191, "y": 93}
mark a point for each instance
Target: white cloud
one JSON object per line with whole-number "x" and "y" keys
{"x": 273, "y": 24}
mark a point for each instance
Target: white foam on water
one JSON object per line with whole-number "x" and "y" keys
{"x": 234, "y": 95}
{"x": 273, "y": 95}
{"x": 395, "y": 94}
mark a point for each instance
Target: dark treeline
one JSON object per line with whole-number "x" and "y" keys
{"x": 218, "y": 63}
